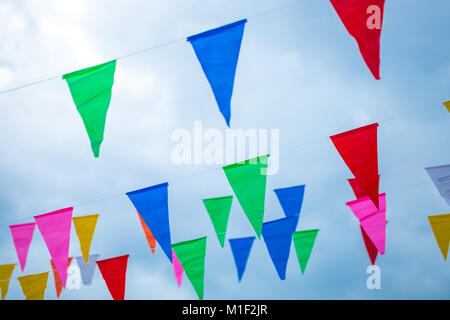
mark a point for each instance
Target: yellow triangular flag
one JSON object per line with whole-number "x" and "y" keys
{"x": 85, "y": 227}
{"x": 447, "y": 105}
{"x": 34, "y": 285}
{"x": 441, "y": 229}
{"x": 6, "y": 271}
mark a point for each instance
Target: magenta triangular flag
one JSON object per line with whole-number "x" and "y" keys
{"x": 177, "y": 268}
{"x": 372, "y": 220}
{"x": 22, "y": 235}
{"x": 55, "y": 229}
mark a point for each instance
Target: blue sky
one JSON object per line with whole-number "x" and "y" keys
{"x": 299, "y": 72}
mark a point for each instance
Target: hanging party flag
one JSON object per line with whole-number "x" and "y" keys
{"x": 55, "y": 229}
{"x": 440, "y": 224}
{"x": 447, "y": 105}
{"x": 58, "y": 284}
{"x": 152, "y": 204}
{"x": 87, "y": 269}
{"x": 6, "y": 271}
{"x": 277, "y": 235}
{"x": 219, "y": 211}
{"x": 148, "y": 234}
{"x": 217, "y": 51}
{"x": 441, "y": 178}
{"x": 372, "y": 220}
{"x": 22, "y": 235}
{"x": 85, "y": 227}
{"x": 241, "y": 247}
{"x": 34, "y": 285}
{"x": 177, "y": 268}
{"x": 358, "y": 148}
{"x": 91, "y": 90}
{"x": 114, "y": 271}
{"x": 191, "y": 255}
{"x": 248, "y": 181}
{"x": 291, "y": 200}
{"x": 304, "y": 243}
{"x": 363, "y": 20}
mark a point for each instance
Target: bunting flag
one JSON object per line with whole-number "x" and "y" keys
{"x": 87, "y": 269}
{"x": 91, "y": 90}
{"x": 219, "y": 211}
{"x": 58, "y": 284}
{"x": 148, "y": 234}
{"x": 191, "y": 255}
{"x": 241, "y": 247}
{"x": 85, "y": 227}
{"x": 55, "y": 229}
{"x": 363, "y": 20}
{"x": 6, "y": 271}
{"x": 34, "y": 285}
{"x": 372, "y": 220}
{"x": 177, "y": 268}
{"x": 217, "y": 51}
{"x": 248, "y": 181}
{"x": 114, "y": 272}
{"x": 447, "y": 105}
{"x": 441, "y": 179}
{"x": 291, "y": 200}
{"x": 152, "y": 204}
{"x": 277, "y": 235}
{"x": 304, "y": 243}
{"x": 358, "y": 148}
{"x": 22, "y": 235}
{"x": 440, "y": 224}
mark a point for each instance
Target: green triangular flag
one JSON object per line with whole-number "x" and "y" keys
{"x": 91, "y": 91}
{"x": 248, "y": 181}
{"x": 303, "y": 243}
{"x": 219, "y": 211}
{"x": 191, "y": 255}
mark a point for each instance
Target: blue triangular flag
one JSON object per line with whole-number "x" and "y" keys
{"x": 218, "y": 53}
{"x": 87, "y": 269}
{"x": 277, "y": 235}
{"x": 291, "y": 200}
{"x": 152, "y": 205}
{"x": 240, "y": 247}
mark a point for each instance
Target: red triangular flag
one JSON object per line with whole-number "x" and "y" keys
{"x": 114, "y": 273}
{"x": 363, "y": 19}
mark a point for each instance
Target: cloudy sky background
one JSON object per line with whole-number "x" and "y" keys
{"x": 299, "y": 71}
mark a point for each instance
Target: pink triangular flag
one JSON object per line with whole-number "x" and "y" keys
{"x": 22, "y": 235}
{"x": 55, "y": 229}
{"x": 177, "y": 268}
{"x": 371, "y": 219}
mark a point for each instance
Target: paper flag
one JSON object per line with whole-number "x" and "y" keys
{"x": 219, "y": 211}
{"x": 177, "y": 268}
{"x": 55, "y": 229}
{"x": 291, "y": 200}
{"x": 248, "y": 181}
{"x": 85, "y": 227}
{"x": 6, "y": 271}
{"x": 440, "y": 224}
{"x": 191, "y": 255}
{"x": 447, "y": 105}
{"x": 58, "y": 284}
{"x": 34, "y": 285}
{"x": 91, "y": 90}
{"x": 363, "y": 19}
{"x": 217, "y": 51}
{"x": 372, "y": 220}
{"x": 22, "y": 235}
{"x": 277, "y": 235}
{"x": 152, "y": 205}
{"x": 358, "y": 148}
{"x": 87, "y": 269}
{"x": 241, "y": 247}
{"x": 148, "y": 234}
{"x": 114, "y": 271}
{"x": 304, "y": 243}
{"x": 441, "y": 178}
